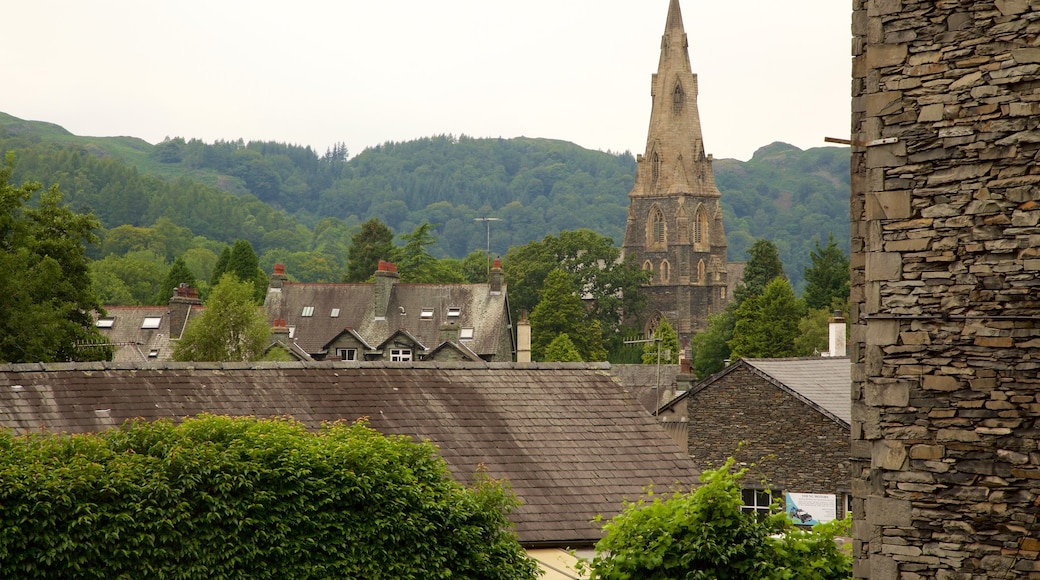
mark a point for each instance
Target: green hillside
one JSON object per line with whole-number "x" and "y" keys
{"x": 293, "y": 203}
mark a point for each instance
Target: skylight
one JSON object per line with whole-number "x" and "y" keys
{"x": 466, "y": 333}
{"x": 308, "y": 311}
{"x": 426, "y": 313}
{"x": 454, "y": 312}
{"x": 151, "y": 322}
{"x": 105, "y": 322}
{"x": 335, "y": 313}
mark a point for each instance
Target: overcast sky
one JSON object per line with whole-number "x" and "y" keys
{"x": 363, "y": 72}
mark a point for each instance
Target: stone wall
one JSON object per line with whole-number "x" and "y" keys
{"x": 946, "y": 288}
{"x": 793, "y": 446}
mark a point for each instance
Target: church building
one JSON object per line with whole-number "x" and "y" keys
{"x": 674, "y": 226}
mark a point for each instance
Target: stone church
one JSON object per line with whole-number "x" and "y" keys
{"x": 674, "y": 224}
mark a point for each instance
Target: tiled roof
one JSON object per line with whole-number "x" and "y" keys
{"x": 570, "y": 440}
{"x": 826, "y": 381}
{"x": 334, "y": 307}
{"x": 134, "y": 340}
{"x": 642, "y": 380}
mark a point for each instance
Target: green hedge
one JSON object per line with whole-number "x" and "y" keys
{"x": 217, "y": 497}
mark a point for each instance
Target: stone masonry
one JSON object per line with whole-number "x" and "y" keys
{"x": 946, "y": 288}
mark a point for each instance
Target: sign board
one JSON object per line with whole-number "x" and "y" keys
{"x": 807, "y": 509}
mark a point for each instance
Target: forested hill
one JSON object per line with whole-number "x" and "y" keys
{"x": 288, "y": 199}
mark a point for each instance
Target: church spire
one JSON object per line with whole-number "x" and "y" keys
{"x": 675, "y": 158}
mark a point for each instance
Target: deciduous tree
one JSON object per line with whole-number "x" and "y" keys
{"x": 665, "y": 343}
{"x": 45, "y": 285}
{"x": 711, "y": 347}
{"x": 767, "y": 324}
{"x": 231, "y": 328}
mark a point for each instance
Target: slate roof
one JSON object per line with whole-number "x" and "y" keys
{"x": 340, "y": 306}
{"x": 822, "y": 382}
{"x": 568, "y": 437}
{"x": 133, "y": 342}
{"x": 642, "y": 381}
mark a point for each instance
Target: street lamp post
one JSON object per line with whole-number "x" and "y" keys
{"x": 487, "y": 220}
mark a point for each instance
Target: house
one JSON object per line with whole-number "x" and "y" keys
{"x": 394, "y": 322}
{"x": 146, "y": 333}
{"x": 788, "y": 418}
{"x": 571, "y": 441}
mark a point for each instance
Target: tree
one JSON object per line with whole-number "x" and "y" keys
{"x": 666, "y": 342}
{"x": 827, "y": 278}
{"x": 762, "y": 266}
{"x": 705, "y": 535}
{"x": 561, "y": 349}
{"x": 415, "y": 263}
{"x": 559, "y": 312}
{"x": 373, "y": 243}
{"x": 45, "y": 284}
{"x": 222, "y": 497}
{"x": 231, "y": 328}
{"x": 711, "y": 347}
{"x": 221, "y": 267}
{"x": 243, "y": 263}
{"x": 139, "y": 272}
{"x": 178, "y": 274}
{"x": 767, "y": 324}
{"x": 593, "y": 264}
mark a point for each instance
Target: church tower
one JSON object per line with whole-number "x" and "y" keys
{"x": 674, "y": 226}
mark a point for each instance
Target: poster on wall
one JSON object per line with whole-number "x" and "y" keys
{"x": 807, "y": 509}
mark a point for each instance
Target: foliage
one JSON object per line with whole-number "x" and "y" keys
{"x": 231, "y": 328}
{"x": 828, "y": 277}
{"x": 711, "y": 347}
{"x": 44, "y": 277}
{"x": 132, "y": 279}
{"x": 373, "y": 243}
{"x": 664, "y": 348}
{"x": 178, "y": 274}
{"x": 763, "y": 265}
{"x": 561, "y": 349}
{"x": 223, "y": 498}
{"x": 593, "y": 265}
{"x": 560, "y": 312}
{"x": 414, "y": 262}
{"x": 767, "y": 324}
{"x": 705, "y": 535}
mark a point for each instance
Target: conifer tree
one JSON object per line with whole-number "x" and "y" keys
{"x": 762, "y": 266}
{"x": 221, "y": 266}
{"x": 178, "y": 274}
{"x": 767, "y": 324}
{"x": 561, "y": 349}
{"x": 827, "y": 278}
{"x": 373, "y": 243}
{"x": 666, "y": 342}
{"x": 559, "y": 312}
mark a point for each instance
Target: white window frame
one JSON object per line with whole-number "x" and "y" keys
{"x": 454, "y": 312}
{"x": 151, "y": 322}
{"x": 335, "y": 313}
{"x": 753, "y": 498}
{"x": 105, "y": 322}
{"x": 400, "y": 354}
{"x": 308, "y": 311}
{"x": 426, "y": 314}
{"x": 465, "y": 334}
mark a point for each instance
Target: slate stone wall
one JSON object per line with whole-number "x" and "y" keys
{"x": 794, "y": 447}
{"x": 946, "y": 288}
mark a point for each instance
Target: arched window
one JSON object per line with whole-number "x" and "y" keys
{"x": 666, "y": 272}
{"x": 655, "y": 166}
{"x": 678, "y": 99}
{"x": 700, "y": 272}
{"x": 700, "y": 229}
{"x": 648, "y": 266}
{"x": 656, "y": 229}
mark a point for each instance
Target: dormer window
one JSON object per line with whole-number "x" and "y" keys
{"x": 308, "y": 311}
{"x": 400, "y": 354}
{"x": 151, "y": 322}
{"x": 454, "y": 312}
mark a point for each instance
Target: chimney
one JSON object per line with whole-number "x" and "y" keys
{"x": 836, "y": 344}
{"x": 523, "y": 339}
{"x": 280, "y": 331}
{"x": 448, "y": 332}
{"x": 386, "y": 277}
{"x": 496, "y": 278}
{"x": 183, "y": 299}
{"x": 279, "y": 277}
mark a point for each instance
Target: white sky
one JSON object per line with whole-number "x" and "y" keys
{"x": 317, "y": 72}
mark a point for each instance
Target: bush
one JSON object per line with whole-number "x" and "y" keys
{"x": 217, "y": 497}
{"x": 705, "y": 535}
